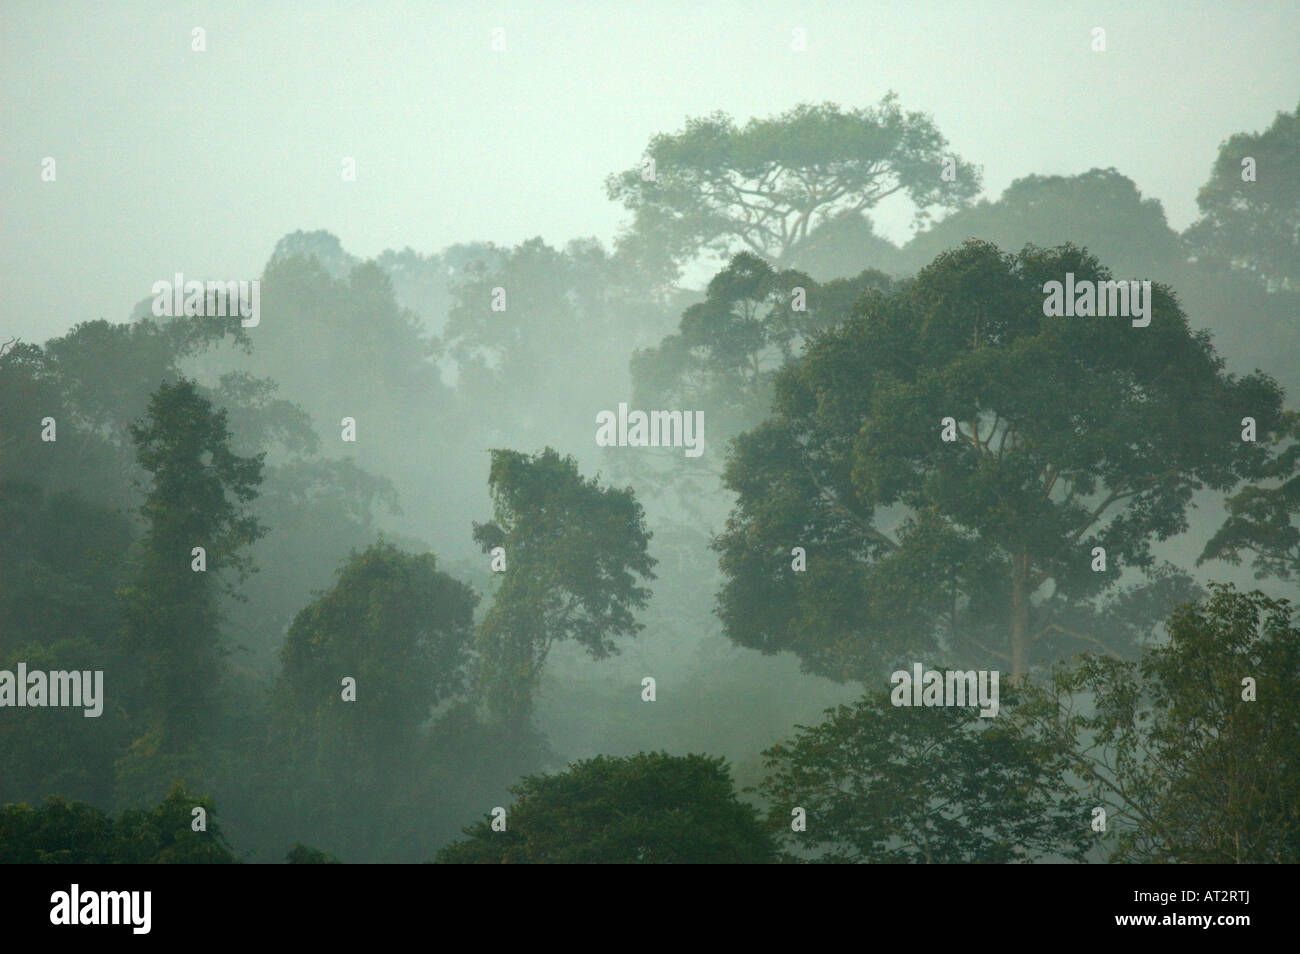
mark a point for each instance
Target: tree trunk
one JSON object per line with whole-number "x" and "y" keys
{"x": 1019, "y": 617}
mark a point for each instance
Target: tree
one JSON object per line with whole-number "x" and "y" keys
{"x": 767, "y": 186}
{"x": 396, "y": 625}
{"x": 942, "y": 785}
{"x": 728, "y": 348}
{"x": 342, "y": 345}
{"x": 1261, "y": 518}
{"x": 846, "y": 246}
{"x": 1192, "y": 764}
{"x": 364, "y": 666}
{"x": 573, "y": 554}
{"x": 513, "y": 327}
{"x": 198, "y": 497}
{"x": 1101, "y": 209}
{"x": 317, "y": 510}
{"x": 649, "y": 808}
{"x": 94, "y": 382}
{"x": 63, "y": 832}
{"x": 1250, "y": 219}
{"x": 1068, "y": 434}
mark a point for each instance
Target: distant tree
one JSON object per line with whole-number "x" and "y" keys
{"x": 342, "y": 345}
{"x": 62, "y": 832}
{"x": 542, "y": 330}
{"x": 320, "y": 245}
{"x": 1188, "y": 768}
{"x": 423, "y": 283}
{"x": 401, "y": 631}
{"x": 846, "y": 246}
{"x": 727, "y": 350}
{"x": 942, "y": 785}
{"x": 307, "y": 855}
{"x": 1264, "y": 519}
{"x": 317, "y": 510}
{"x": 1068, "y": 434}
{"x": 768, "y": 185}
{"x": 1101, "y": 210}
{"x": 573, "y": 554}
{"x": 650, "y": 808}
{"x": 1254, "y": 226}
{"x": 198, "y": 494}
{"x": 94, "y": 382}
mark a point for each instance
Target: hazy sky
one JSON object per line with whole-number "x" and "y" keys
{"x": 172, "y": 160}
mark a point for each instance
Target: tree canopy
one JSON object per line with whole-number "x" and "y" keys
{"x": 766, "y": 186}
{"x": 1067, "y": 434}
{"x": 650, "y": 808}
{"x": 575, "y": 554}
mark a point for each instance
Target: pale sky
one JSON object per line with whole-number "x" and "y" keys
{"x": 172, "y": 160}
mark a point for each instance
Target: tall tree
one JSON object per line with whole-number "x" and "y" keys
{"x": 716, "y": 187}
{"x": 574, "y": 553}
{"x": 364, "y": 665}
{"x": 1069, "y": 436}
{"x": 198, "y": 495}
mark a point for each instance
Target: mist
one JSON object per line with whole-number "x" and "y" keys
{"x": 429, "y": 589}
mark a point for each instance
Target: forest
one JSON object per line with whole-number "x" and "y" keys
{"x": 396, "y": 573}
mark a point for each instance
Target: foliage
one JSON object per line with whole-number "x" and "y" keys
{"x": 1070, "y": 434}
{"x": 650, "y": 808}
{"x": 63, "y": 832}
{"x": 574, "y": 552}
{"x": 1189, "y": 770}
{"x": 1254, "y": 226}
{"x": 938, "y": 785}
{"x": 768, "y": 185}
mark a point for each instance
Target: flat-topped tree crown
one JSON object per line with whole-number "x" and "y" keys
{"x": 717, "y": 187}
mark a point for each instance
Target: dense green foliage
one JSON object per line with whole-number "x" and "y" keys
{"x": 824, "y": 360}
{"x": 652, "y": 808}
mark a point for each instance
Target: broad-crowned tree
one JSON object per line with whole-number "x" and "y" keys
{"x": 395, "y": 624}
{"x": 968, "y": 475}
{"x": 716, "y": 187}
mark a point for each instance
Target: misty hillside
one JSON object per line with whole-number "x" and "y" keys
{"x": 732, "y": 436}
